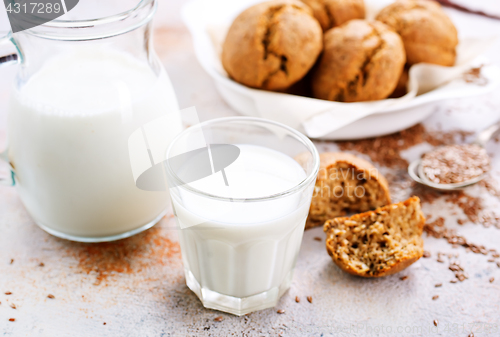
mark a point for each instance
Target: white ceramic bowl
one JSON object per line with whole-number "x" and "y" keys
{"x": 208, "y": 21}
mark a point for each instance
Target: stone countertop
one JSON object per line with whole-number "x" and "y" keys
{"x": 136, "y": 287}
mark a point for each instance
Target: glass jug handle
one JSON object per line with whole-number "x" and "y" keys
{"x": 7, "y": 58}
{"x": 9, "y": 179}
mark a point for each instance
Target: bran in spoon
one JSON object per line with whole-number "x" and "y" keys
{"x": 455, "y": 163}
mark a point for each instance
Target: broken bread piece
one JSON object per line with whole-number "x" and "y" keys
{"x": 345, "y": 183}
{"x": 377, "y": 243}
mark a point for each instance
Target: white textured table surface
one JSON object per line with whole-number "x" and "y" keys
{"x": 136, "y": 286}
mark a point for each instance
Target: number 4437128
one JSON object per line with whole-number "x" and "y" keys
{"x": 34, "y": 8}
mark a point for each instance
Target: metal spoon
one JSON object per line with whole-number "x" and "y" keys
{"x": 416, "y": 170}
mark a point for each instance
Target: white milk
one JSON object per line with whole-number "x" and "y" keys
{"x": 244, "y": 249}
{"x": 68, "y": 142}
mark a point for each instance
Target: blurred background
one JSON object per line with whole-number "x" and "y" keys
{"x": 195, "y": 88}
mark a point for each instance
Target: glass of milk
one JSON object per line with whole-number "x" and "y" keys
{"x": 86, "y": 83}
{"x": 241, "y": 190}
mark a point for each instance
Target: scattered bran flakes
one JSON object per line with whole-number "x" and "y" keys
{"x": 150, "y": 248}
{"x": 386, "y": 150}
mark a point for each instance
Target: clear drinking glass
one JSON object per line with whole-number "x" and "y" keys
{"x": 86, "y": 83}
{"x": 241, "y": 190}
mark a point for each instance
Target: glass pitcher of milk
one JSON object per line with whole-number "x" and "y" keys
{"x": 86, "y": 82}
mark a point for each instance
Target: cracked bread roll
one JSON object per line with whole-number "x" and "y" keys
{"x": 272, "y": 45}
{"x": 333, "y": 13}
{"x": 428, "y": 33}
{"x": 377, "y": 243}
{"x": 361, "y": 61}
{"x": 345, "y": 183}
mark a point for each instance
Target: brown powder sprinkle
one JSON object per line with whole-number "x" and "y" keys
{"x": 297, "y": 299}
{"x": 13, "y": 306}
{"x": 150, "y": 248}
{"x": 498, "y": 264}
{"x": 309, "y": 299}
{"x": 11, "y": 261}
{"x": 219, "y": 319}
{"x": 471, "y": 206}
{"x": 426, "y": 195}
{"x": 8, "y": 293}
{"x": 473, "y": 209}
{"x": 439, "y": 222}
{"x": 386, "y": 150}
{"x": 41, "y": 264}
{"x": 435, "y": 297}
{"x": 474, "y": 75}
{"x": 454, "y": 281}
{"x": 492, "y": 280}
{"x": 317, "y": 238}
{"x": 281, "y": 311}
{"x": 452, "y": 238}
{"x": 471, "y": 334}
{"x": 490, "y": 185}
{"x": 438, "y": 285}
{"x": 426, "y": 254}
{"x": 51, "y": 296}
{"x": 104, "y": 323}
{"x": 435, "y": 322}
{"x": 12, "y": 319}
{"x": 403, "y": 278}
